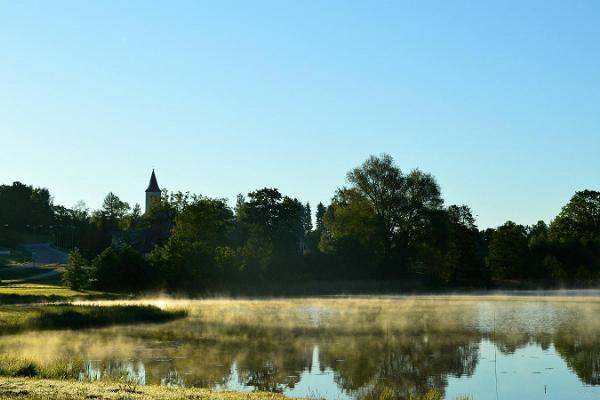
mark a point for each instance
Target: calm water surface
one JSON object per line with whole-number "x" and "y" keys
{"x": 492, "y": 347}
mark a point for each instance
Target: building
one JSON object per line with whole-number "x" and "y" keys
{"x": 152, "y": 192}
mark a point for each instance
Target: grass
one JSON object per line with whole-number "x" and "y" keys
{"x": 34, "y": 289}
{"x": 67, "y": 316}
{"x": 18, "y": 293}
{"x": 38, "y": 389}
{"x": 24, "y": 367}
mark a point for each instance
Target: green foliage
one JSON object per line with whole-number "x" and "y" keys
{"x": 462, "y": 261}
{"x": 402, "y": 202}
{"x": 123, "y": 270}
{"x": 385, "y": 210}
{"x": 76, "y": 274}
{"x": 386, "y": 224}
{"x": 554, "y": 269}
{"x": 190, "y": 258}
{"x": 23, "y": 206}
{"x": 508, "y": 252}
{"x": 579, "y": 220}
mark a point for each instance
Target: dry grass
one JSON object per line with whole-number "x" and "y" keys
{"x": 38, "y": 389}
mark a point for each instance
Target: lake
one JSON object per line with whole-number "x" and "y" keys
{"x": 490, "y": 347}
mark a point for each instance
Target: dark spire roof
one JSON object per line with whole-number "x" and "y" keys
{"x": 153, "y": 185}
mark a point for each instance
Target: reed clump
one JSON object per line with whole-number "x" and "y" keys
{"x": 23, "y": 367}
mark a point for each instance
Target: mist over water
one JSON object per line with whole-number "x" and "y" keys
{"x": 534, "y": 347}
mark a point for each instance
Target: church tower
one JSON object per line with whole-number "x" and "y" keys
{"x": 153, "y": 191}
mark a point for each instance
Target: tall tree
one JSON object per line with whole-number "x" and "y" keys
{"x": 76, "y": 275}
{"x": 307, "y": 219}
{"x": 402, "y": 204}
{"x": 508, "y": 252}
{"x": 462, "y": 261}
{"x": 113, "y": 208}
{"x": 319, "y": 216}
{"x": 579, "y": 220}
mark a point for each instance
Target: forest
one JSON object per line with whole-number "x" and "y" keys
{"x": 383, "y": 225}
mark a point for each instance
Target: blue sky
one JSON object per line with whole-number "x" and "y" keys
{"x": 499, "y": 100}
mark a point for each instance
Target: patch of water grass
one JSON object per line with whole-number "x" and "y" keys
{"x": 68, "y": 316}
{"x": 23, "y": 367}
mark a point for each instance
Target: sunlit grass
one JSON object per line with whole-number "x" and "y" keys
{"x": 32, "y": 289}
{"x": 38, "y": 389}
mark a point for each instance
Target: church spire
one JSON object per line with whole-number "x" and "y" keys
{"x": 153, "y": 185}
{"x": 153, "y": 192}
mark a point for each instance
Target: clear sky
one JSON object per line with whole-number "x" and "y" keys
{"x": 501, "y": 102}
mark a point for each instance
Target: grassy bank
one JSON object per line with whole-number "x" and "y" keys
{"x": 66, "y": 316}
{"x": 38, "y": 389}
{"x": 23, "y": 293}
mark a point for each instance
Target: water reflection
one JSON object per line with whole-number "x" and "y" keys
{"x": 351, "y": 348}
{"x": 130, "y": 371}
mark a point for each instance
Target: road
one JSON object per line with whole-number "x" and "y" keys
{"x": 43, "y": 253}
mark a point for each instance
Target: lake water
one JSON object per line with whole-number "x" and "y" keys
{"x": 490, "y": 347}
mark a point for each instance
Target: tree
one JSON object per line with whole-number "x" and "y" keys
{"x": 353, "y": 235}
{"x": 105, "y": 270}
{"x": 133, "y": 220}
{"x": 508, "y": 252}
{"x": 307, "y": 219}
{"x": 189, "y": 259}
{"x": 264, "y": 208}
{"x": 402, "y": 202}
{"x": 319, "y": 216}
{"x": 123, "y": 270}
{"x": 579, "y": 220}
{"x": 113, "y": 209}
{"x": 279, "y": 226}
{"x": 461, "y": 216}
{"x": 24, "y": 208}
{"x": 76, "y": 276}
{"x": 462, "y": 262}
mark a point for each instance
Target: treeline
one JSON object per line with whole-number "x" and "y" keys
{"x": 385, "y": 224}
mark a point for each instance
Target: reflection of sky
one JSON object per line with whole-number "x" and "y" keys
{"x": 131, "y": 371}
{"x": 316, "y": 383}
{"x": 312, "y": 382}
{"x": 529, "y": 373}
{"x": 525, "y": 374}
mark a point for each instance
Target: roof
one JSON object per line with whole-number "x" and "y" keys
{"x": 153, "y": 185}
